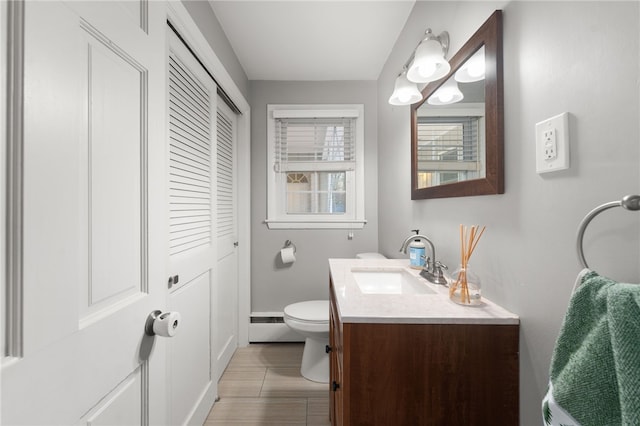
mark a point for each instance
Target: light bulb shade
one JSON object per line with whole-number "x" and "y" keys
{"x": 446, "y": 94}
{"x": 404, "y": 92}
{"x": 429, "y": 63}
{"x": 473, "y": 69}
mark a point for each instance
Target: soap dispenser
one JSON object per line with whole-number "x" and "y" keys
{"x": 417, "y": 252}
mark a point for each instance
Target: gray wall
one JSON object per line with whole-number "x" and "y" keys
{"x": 209, "y": 26}
{"x": 274, "y": 287}
{"x": 579, "y": 57}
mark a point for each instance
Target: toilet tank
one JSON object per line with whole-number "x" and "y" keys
{"x": 370, "y": 256}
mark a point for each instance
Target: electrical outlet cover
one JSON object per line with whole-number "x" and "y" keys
{"x": 552, "y": 144}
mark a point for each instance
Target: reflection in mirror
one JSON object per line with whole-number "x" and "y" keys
{"x": 457, "y": 130}
{"x": 473, "y": 69}
{"x": 451, "y": 128}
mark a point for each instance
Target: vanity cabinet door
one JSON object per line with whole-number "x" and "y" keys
{"x": 335, "y": 365}
{"x": 430, "y": 374}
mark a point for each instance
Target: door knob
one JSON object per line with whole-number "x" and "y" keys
{"x": 162, "y": 324}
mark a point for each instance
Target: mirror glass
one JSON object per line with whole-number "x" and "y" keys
{"x": 451, "y": 128}
{"x": 456, "y": 134}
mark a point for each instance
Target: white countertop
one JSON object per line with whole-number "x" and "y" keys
{"x": 357, "y": 307}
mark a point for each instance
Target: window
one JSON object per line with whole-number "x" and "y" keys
{"x": 316, "y": 173}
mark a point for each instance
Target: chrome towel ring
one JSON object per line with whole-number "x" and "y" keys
{"x": 629, "y": 202}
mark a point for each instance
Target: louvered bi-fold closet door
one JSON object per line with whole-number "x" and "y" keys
{"x": 226, "y": 309}
{"x": 192, "y": 241}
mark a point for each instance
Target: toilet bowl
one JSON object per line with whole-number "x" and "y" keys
{"x": 311, "y": 319}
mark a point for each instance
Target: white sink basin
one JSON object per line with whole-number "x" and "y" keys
{"x": 389, "y": 281}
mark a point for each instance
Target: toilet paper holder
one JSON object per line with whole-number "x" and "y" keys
{"x": 288, "y": 244}
{"x": 151, "y": 319}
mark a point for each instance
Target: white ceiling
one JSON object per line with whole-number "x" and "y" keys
{"x": 312, "y": 40}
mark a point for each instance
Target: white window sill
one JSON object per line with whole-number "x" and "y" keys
{"x": 287, "y": 224}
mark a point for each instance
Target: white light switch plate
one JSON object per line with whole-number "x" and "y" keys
{"x": 552, "y": 144}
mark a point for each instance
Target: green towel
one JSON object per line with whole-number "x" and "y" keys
{"x": 595, "y": 369}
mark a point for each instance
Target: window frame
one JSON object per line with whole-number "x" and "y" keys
{"x": 354, "y": 216}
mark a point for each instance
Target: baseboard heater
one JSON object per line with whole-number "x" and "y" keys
{"x": 270, "y": 327}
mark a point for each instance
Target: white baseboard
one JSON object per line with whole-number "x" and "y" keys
{"x": 275, "y": 330}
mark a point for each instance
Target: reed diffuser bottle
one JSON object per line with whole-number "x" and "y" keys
{"x": 465, "y": 288}
{"x": 469, "y": 290}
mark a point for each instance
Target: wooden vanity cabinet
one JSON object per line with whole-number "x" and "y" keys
{"x": 422, "y": 374}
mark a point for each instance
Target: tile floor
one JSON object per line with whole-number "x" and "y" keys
{"x": 262, "y": 386}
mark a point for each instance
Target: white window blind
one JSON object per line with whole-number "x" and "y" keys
{"x": 448, "y": 144}
{"x": 315, "y": 144}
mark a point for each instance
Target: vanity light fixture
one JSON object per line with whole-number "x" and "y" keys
{"x": 426, "y": 64}
{"x": 429, "y": 63}
{"x": 404, "y": 92}
{"x": 473, "y": 69}
{"x": 448, "y": 93}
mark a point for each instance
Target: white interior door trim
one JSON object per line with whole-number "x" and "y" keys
{"x": 4, "y": 23}
{"x": 11, "y": 125}
{"x": 179, "y": 17}
{"x": 244, "y": 225}
{"x": 186, "y": 26}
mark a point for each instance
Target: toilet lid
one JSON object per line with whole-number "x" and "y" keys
{"x": 313, "y": 310}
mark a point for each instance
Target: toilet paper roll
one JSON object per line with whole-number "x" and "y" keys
{"x": 288, "y": 255}
{"x": 166, "y": 325}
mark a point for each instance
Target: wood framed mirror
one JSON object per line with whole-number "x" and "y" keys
{"x": 457, "y": 146}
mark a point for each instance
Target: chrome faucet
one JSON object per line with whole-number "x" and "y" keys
{"x": 432, "y": 270}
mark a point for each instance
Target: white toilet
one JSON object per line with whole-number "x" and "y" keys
{"x": 311, "y": 319}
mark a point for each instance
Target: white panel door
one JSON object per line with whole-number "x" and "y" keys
{"x": 192, "y": 123}
{"x": 93, "y": 256}
{"x": 226, "y": 311}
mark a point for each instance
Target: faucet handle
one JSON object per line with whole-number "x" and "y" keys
{"x": 439, "y": 275}
{"x": 440, "y": 265}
